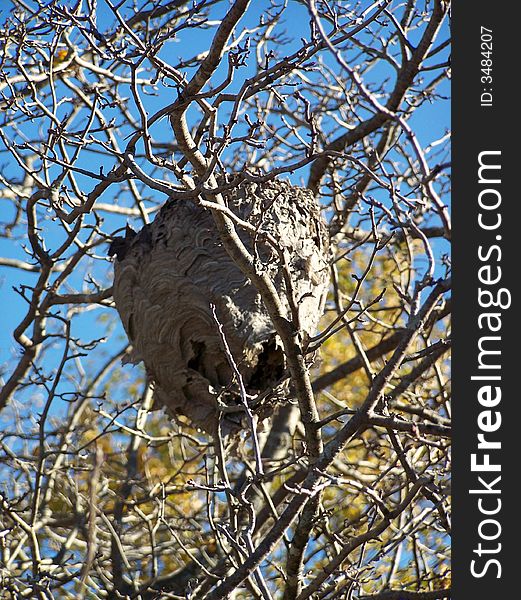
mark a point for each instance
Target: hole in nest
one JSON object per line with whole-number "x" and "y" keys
{"x": 196, "y": 362}
{"x": 270, "y": 367}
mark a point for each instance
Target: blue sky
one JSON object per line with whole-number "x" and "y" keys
{"x": 430, "y": 123}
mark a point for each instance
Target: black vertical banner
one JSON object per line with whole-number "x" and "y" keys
{"x": 486, "y": 367}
